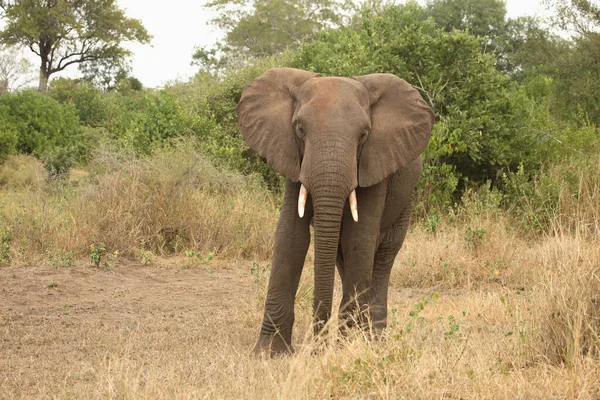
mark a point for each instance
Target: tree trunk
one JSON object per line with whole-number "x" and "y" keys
{"x": 44, "y": 77}
{"x": 3, "y": 86}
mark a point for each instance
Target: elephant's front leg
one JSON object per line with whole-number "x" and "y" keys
{"x": 359, "y": 243}
{"x": 292, "y": 239}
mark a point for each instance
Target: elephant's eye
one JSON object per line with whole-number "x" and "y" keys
{"x": 299, "y": 130}
{"x": 363, "y": 136}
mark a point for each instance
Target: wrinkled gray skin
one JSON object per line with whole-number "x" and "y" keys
{"x": 335, "y": 135}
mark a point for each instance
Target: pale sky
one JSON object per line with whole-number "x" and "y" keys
{"x": 178, "y": 26}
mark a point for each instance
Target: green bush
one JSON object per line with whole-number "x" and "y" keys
{"x": 8, "y": 135}
{"x": 58, "y": 162}
{"x": 40, "y": 122}
{"x": 475, "y": 120}
{"x": 210, "y": 101}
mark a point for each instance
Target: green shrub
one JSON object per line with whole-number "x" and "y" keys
{"x": 8, "y": 135}
{"x": 58, "y": 162}
{"x": 41, "y": 123}
{"x": 475, "y": 120}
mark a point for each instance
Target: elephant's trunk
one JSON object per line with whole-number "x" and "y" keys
{"x": 329, "y": 173}
{"x": 327, "y": 220}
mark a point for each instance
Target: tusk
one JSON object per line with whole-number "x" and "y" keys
{"x": 354, "y": 206}
{"x": 302, "y": 200}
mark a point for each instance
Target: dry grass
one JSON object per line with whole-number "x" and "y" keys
{"x": 477, "y": 309}
{"x": 170, "y": 331}
{"x": 173, "y": 201}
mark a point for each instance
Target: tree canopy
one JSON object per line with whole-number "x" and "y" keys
{"x": 580, "y": 16}
{"x": 479, "y": 17}
{"x": 259, "y": 28}
{"x": 66, "y": 32}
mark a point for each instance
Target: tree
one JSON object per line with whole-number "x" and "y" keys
{"x": 485, "y": 19}
{"x": 581, "y": 16}
{"x": 577, "y": 77}
{"x": 259, "y": 28}
{"x": 15, "y": 71}
{"x": 478, "y": 17}
{"x": 479, "y": 126}
{"x": 531, "y": 49}
{"x": 106, "y": 74}
{"x": 66, "y": 32}
{"x": 577, "y": 81}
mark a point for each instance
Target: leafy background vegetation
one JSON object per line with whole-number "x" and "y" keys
{"x": 510, "y": 96}
{"x": 102, "y": 167}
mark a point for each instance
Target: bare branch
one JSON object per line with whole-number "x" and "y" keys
{"x": 429, "y": 95}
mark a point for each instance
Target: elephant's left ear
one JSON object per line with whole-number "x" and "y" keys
{"x": 401, "y": 123}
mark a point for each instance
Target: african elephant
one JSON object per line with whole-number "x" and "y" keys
{"x": 350, "y": 150}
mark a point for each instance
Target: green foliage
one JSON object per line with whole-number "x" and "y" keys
{"x": 260, "y": 273}
{"x": 262, "y": 28}
{"x": 107, "y": 74}
{"x": 417, "y": 309}
{"x": 562, "y": 194}
{"x": 58, "y": 162}
{"x": 474, "y": 236}
{"x": 40, "y": 123}
{"x": 97, "y": 252}
{"x": 139, "y": 120}
{"x": 483, "y": 18}
{"x": 64, "y": 32}
{"x": 577, "y": 80}
{"x": 453, "y": 327}
{"x": 8, "y": 142}
{"x": 5, "y": 242}
{"x": 473, "y": 136}
{"x": 530, "y": 49}
{"x": 146, "y": 257}
{"x": 194, "y": 255}
{"x": 8, "y": 135}
{"x": 100, "y": 256}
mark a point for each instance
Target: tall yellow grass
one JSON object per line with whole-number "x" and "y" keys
{"x": 173, "y": 201}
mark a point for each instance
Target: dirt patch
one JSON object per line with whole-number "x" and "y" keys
{"x": 56, "y": 323}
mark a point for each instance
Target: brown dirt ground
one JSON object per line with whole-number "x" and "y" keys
{"x": 173, "y": 330}
{"x": 56, "y": 322}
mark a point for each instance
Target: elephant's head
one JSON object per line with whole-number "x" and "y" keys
{"x": 333, "y": 134}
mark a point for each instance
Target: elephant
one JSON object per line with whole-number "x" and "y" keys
{"x": 350, "y": 151}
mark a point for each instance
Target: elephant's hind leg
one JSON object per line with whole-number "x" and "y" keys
{"x": 382, "y": 267}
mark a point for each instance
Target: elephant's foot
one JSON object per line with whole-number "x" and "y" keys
{"x": 352, "y": 319}
{"x": 272, "y": 347}
{"x": 371, "y": 325}
{"x": 378, "y": 317}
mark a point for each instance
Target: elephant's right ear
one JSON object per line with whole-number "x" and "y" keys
{"x": 265, "y": 112}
